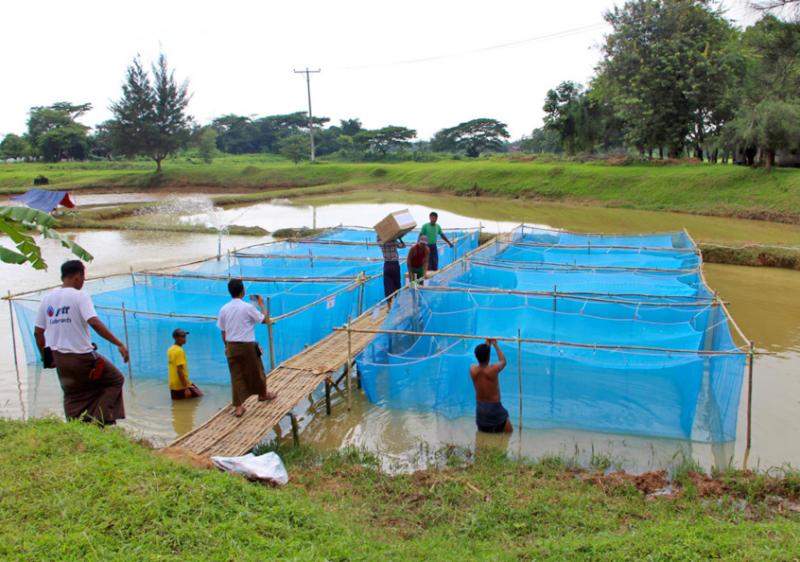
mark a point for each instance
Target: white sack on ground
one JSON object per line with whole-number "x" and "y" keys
{"x": 268, "y": 467}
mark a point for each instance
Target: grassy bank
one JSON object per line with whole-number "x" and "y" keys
{"x": 720, "y": 190}
{"x": 71, "y": 491}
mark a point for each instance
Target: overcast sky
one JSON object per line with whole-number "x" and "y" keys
{"x": 422, "y": 64}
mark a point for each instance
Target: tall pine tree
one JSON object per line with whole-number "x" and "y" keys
{"x": 150, "y": 119}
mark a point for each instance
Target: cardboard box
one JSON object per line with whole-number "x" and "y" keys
{"x": 396, "y": 224}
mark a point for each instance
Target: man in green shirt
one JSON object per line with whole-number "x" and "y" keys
{"x": 432, "y": 231}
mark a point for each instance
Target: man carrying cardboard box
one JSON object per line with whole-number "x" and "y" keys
{"x": 391, "y": 265}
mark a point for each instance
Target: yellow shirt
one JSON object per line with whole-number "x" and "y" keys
{"x": 176, "y": 357}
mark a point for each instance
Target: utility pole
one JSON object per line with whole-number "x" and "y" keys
{"x": 308, "y": 74}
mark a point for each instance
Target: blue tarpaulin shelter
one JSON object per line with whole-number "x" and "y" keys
{"x": 44, "y": 200}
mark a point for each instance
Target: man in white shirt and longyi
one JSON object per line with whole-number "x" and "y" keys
{"x": 237, "y": 320}
{"x": 92, "y": 385}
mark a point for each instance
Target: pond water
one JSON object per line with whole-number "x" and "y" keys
{"x": 763, "y": 301}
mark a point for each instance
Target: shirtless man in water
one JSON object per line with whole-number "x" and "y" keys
{"x": 490, "y": 415}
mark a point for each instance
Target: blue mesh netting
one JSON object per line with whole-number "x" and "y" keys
{"x": 611, "y": 385}
{"x": 156, "y": 304}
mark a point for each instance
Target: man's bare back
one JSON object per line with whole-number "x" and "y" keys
{"x": 487, "y": 391}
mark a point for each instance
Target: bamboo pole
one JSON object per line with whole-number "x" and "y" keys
{"x": 362, "y": 290}
{"x": 349, "y": 367}
{"x": 271, "y": 338}
{"x": 305, "y": 257}
{"x": 13, "y": 335}
{"x": 519, "y": 376}
{"x": 591, "y": 246}
{"x": 632, "y": 348}
{"x": 543, "y": 265}
{"x": 295, "y": 429}
{"x": 751, "y": 357}
{"x": 127, "y": 342}
{"x": 315, "y": 279}
{"x": 582, "y": 295}
{"x": 595, "y": 234}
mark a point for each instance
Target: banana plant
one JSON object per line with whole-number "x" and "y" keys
{"x": 18, "y": 223}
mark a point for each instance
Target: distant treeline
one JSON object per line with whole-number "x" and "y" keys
{"x": 676, "y": 79}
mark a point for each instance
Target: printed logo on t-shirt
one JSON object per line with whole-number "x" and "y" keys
{"x": 61, "y": 315}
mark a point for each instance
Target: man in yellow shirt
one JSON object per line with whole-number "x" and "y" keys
{"x": 179, "y": 384}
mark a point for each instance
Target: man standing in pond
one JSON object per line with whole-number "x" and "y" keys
{"x": 180, "y": 386}
{"x": 92, "y": 385}
{"x": 237, "y": 321}
{"x": 490, "y": 415}
{"x": 432, "y": 231}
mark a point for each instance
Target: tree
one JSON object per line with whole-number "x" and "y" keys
{"x": 237, "y": 134}
{"x": 14, "y": 147}
{"x": 54, "y": 132}
{"x": 100, "y": 142}
{"x": 207, "y": 144}
{"x": 350, "y": 127}
{"x": 16, "y": 222}
{"x": 295, "y": 147}
{"x": 667, "y": 67}
{"x": 542, "y": 140}
{"x": 473, "y": 137}
{"x": 772, "y": 49}
{"x": 769, "y": 127}
{"x": 385, "y": 139}
{"x": 150, "y": 119}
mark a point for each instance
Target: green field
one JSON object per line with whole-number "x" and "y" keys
{"x": 722, "y": 190}
{"x": 69, "y": 491}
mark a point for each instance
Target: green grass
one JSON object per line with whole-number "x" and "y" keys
{"x": 74, "y": 492}
{"x": 723, "y": 190}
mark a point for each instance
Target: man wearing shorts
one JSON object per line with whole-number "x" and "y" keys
{"x": 490, "y": 415}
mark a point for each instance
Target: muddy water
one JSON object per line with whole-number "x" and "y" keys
{"x": 763, "y": 301}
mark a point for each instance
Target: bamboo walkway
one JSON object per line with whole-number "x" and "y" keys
{"x": 293, "y": 381}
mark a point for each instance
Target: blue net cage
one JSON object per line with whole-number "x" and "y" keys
{"x": 308, "y": 296}
{"x": 636, "y": 350}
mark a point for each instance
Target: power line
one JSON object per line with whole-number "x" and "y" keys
{"x": 498, "y": 46}
{"x": 308, "y": 74}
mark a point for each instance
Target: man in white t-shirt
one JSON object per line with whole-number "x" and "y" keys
{"x": 92, "y": 385}
{"x": 237, "y": 321}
